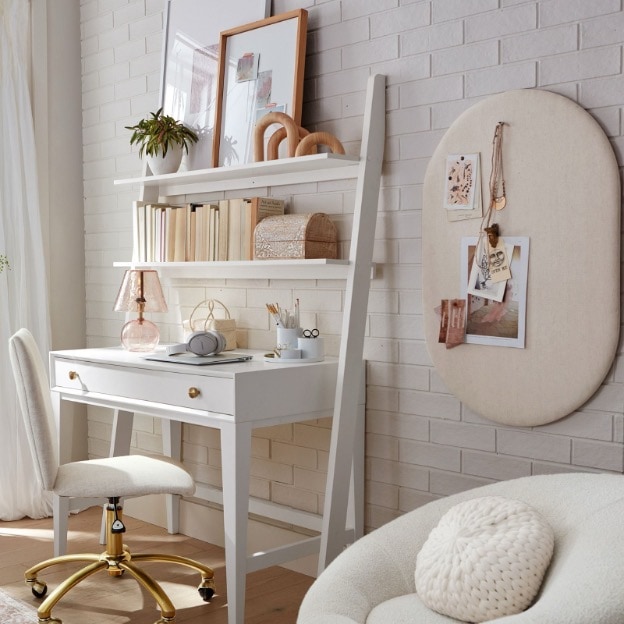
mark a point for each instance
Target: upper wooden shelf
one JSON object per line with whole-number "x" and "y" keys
{"x": 297, "y": 170}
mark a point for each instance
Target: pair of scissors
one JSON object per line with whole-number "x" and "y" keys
{"x": 310, "y": 333}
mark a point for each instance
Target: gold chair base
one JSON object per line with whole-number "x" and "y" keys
{"x": 116, "y": 559}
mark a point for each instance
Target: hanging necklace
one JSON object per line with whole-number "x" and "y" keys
{"x": 497, "y": 179}
{"x": 488, "y": 235}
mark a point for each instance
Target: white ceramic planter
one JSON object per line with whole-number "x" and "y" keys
{"x": 170, "y": 163}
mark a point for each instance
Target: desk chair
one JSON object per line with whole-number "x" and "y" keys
{"x": 111, "y": 478}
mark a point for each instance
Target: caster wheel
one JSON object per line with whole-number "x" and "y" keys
{"x": 206, "y": 589}
{"x": 39, "y": 589}
{"x": 206, "y": 593}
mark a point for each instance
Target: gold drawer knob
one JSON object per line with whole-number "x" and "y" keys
{"x": 193, "y": 392}
{"x": 73, "y": 375}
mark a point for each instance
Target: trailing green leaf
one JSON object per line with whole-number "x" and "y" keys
{"x": 4, "y": 263}
{"x": 156, "y": 134}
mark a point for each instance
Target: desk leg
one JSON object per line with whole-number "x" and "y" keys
{"x": 235, "y": 457}
{"x": 63, "y": 421}
{"x": 172, "y": 447}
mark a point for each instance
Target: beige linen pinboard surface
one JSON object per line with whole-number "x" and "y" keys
{"x": 563, "y": 192}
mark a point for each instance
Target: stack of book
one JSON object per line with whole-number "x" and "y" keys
{"x": 199, "y": 232}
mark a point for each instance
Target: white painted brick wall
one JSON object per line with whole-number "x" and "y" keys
{"x": 441, "y": 57}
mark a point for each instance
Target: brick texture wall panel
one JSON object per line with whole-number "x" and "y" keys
{"x": 440, "y": 58}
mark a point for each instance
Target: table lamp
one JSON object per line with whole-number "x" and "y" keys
{"x": 140, "y": 292}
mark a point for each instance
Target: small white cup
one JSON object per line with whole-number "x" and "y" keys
{"x": 312, "y": 347}
{"x": 287, "y": 337}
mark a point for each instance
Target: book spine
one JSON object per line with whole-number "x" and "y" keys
{"x": 149, "y": 233}
{"x": 224, "y": 219}
{"x": 138, "y": 232}
{"x": 234, "y": 229}
{"x": 170, "y": 233}
{"x": 246, "y": 231}
{"x": 190, "y": 232}
{"x": 179, "y": 247}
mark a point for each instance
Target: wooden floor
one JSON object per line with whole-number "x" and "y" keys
{"x": 273, "y": 595}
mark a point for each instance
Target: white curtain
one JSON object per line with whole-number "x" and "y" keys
{"x": 23, "y": 290}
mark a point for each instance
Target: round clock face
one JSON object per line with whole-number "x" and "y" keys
{"x": 202, "y": 344}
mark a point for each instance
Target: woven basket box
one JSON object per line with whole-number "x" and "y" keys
{"x": 296, "y": 236}
{"x": 203, "y": 318}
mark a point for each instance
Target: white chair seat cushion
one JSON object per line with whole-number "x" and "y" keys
{"x": 485, "y": 559}
{"x": 128, "y": 475}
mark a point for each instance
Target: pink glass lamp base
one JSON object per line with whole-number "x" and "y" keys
{"x": 140, "y": 335}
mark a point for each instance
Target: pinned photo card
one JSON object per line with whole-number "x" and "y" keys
{"x": 452, "y": 322}
{"x": 462, "y": 173}
{"x": 456, "y": 332}
{"x": 462, "y": 187}
{"x": 480, "y": 281}
{"x": 263, "y": 88}
{"x": 247, "y": 67}
{"x": 499, "y": 262}
{"x": 497, "y": 323}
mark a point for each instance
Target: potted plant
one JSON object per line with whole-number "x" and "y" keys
{"x": 162, "y": 138}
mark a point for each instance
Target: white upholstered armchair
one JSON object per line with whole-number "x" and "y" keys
{"x": 373, "y": 581}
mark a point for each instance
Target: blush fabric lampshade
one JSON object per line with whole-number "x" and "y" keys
{"x": 140, "y": 292}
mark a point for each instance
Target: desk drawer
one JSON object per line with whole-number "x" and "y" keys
{"x": 215, "y": 394}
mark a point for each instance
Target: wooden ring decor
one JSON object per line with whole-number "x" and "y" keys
{"x": 292, "y": 133}
{"x": 308, "y": 143}
{"x": 277, "y": 137}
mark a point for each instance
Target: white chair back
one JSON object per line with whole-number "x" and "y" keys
{"x": 33, "y": 392}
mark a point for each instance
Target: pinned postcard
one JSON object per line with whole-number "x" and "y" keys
{"x": 452, "y": 322}
{"x": 462, "y": 187}
{"x": 247, "y": 67}
{"x": 494, "y": 323}
{"x": 480, "y": 282}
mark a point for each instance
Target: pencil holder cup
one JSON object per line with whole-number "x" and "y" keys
{"x": 287, "y": 337}
{"x": 312, "y": 347}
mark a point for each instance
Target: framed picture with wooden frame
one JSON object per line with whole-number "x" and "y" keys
{"x": 190, "y": 63}
{"x": 261, "y": 70}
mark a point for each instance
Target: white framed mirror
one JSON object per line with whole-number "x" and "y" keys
{"x": 190, "y": 63}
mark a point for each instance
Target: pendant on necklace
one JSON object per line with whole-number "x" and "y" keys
{"x": 500, "y": 202}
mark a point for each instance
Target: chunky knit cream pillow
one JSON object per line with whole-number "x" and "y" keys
{"x": 485, "y": 559}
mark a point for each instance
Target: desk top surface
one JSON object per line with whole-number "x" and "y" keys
{"x": 254, "y": 390}
{"x": 117, "y": 356}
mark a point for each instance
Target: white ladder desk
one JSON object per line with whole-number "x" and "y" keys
{"x": 234, "y": 398}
